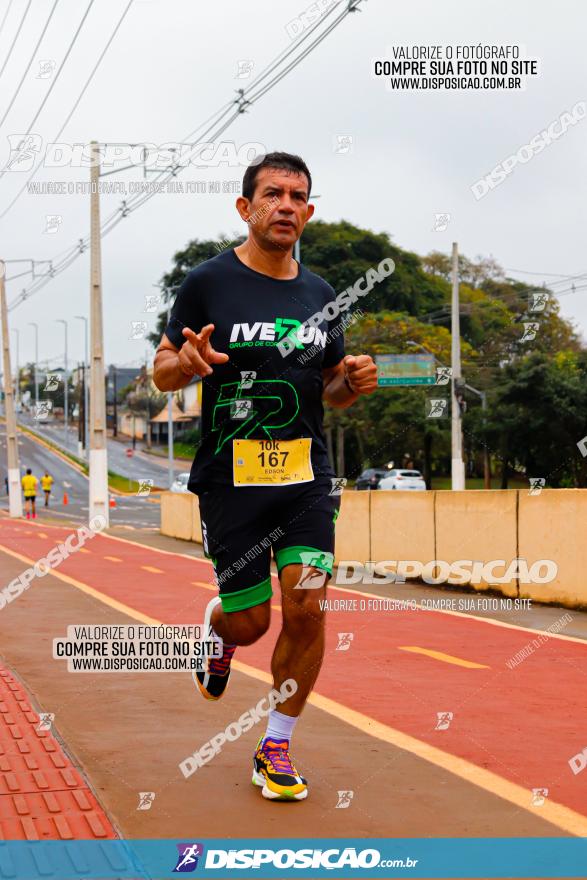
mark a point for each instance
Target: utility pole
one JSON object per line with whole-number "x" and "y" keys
{"x": 36, "y": 326}
{"x": 86, "y": 407}
{"x": 457, "y": 464}
{"x": 98, "y": 458}
{"x": 17, "y": 379}
{"x": 147, "y": 436}
{"x": 14, "y": 493}
{"x": 66, "y": 383}
{"x": 115, "y": 402}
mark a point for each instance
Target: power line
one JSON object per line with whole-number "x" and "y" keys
{"x": 444, "y": 311}
{"x": 141, "y": 200}
{"x": 563, "y": 279}
{"x": 289, "y": 49}
{"x": 56, "y": 77}
{"x": 279, "y": 58}
{"x": 138, "y": 200}
{"x": 22, "y": 21}
{"x": 73, "y": 109}
{"x": 551, "y": 274}
{"x": 62, "y": 65}
{"x": 466, "y": 308}
{"x": 28, "y": 67}
{"x": 5, "y": 16}
{"x": 309, "y": 49}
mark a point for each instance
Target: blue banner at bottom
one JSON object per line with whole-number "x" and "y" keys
{"x": 381, "y": 858}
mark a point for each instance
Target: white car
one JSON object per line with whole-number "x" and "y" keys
{"x": 401, "y": 479}
{"x": 180, "y": 484}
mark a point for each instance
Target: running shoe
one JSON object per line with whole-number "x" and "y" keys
{"x": 274, "y": 769}
{"x": 213, "y": 680}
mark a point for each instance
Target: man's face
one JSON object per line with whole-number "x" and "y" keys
{"x": 279, "y": 209}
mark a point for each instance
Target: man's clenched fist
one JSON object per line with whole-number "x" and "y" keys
{"x": 196, "y": 354}
{"x": 361, "y": 373}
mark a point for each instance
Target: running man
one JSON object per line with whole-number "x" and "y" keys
{"x": 46, "y": 483}
{"x": 29, "y": 488}
{"x": 262, "y": 472}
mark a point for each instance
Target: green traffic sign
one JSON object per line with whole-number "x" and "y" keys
{"x": 405, "y": 369}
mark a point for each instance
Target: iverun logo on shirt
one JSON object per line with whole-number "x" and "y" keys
{"x": 263, "y": 333}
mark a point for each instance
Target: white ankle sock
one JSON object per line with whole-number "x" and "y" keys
{"x": 280, "y": 726}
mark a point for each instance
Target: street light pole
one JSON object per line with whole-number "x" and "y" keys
{"x": 486, "y": 468}
{"x": 98, "y": 503}
{"x": 483, "y": 396}
{"x": 65, "y": 394}
{"x": 13, "y": 467}
{"x": 86, "y": 389}
{"x": 486, "y": 464}
{"x": 36, "y": 326}
{"x": 457, "y": 464}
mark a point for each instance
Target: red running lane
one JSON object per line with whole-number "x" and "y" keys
{"x": 523, "y": 724}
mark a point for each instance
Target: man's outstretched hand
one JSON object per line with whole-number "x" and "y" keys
{"x": 196, "y": 354}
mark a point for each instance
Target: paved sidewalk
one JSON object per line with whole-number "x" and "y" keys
{"x": 369, "y": 727}
{"x": 43, "y": 795}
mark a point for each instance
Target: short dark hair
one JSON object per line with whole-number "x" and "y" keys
{"x": 281, "y": 161}
{"x": 28, "y": 470}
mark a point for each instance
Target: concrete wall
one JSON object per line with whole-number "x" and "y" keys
{"x": 352, "y": 527}
{"x": 177, "y": 515}
{"x": 473, "y": 525}
{"x": 402, "y": 525}
{"x": 196, "y": 524}
{"x": 480, "y": 526}
{"x": 553, "y": 525}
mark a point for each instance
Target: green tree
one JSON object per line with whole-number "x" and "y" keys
{"x": 530, "y": 363}
{"x": 538, "y": 415}
{"x": 184, "y": 261}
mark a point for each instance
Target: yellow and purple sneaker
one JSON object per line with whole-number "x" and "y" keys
{"x": 212, "y": 681}
{"x": 274, "y": 769}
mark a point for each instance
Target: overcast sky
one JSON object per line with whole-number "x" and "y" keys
{"x": 414, "y": 154}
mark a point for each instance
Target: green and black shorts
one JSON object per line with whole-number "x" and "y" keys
{"x": 242, "y": 526}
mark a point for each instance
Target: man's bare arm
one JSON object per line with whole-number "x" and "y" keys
{"x": 174, "y": 367}
{"x": 167, "y": 374}
{"x": 336, "y": 392}
{"x": 348, "y": 379}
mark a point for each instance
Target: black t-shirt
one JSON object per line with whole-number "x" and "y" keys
{"x": 252, "y": 313}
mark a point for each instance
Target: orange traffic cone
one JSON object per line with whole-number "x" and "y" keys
{"x": 112, "y": 501}
{"x": 65, "y": 498}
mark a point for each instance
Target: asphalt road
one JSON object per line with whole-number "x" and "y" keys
{"x": 140, "y": 466}
{"x": 138, "y": 512}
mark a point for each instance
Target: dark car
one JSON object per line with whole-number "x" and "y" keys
{"x": 369, "y": 479}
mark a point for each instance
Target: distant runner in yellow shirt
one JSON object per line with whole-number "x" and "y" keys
{"x": 29, "y": 487}
{"x": 46, "y": 483}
